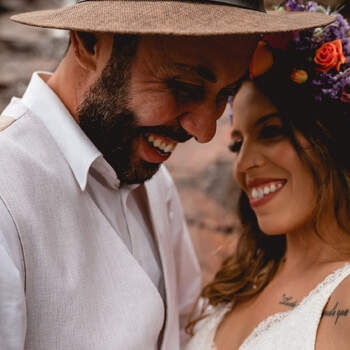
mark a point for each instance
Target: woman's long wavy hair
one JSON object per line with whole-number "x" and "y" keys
{"x": 326, "y": 127}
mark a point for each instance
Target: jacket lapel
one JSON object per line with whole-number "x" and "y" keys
{"x": 159, "y": 216}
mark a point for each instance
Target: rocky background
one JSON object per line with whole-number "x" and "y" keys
{"x": 203, "y": 173}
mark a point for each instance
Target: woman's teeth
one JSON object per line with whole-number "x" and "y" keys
{"x": 160, "y": 144}
{"x": 260, "y": 192}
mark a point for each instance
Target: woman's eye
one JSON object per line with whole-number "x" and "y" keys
{"x": 235, "y": 146}
{"x": 186, "y": 90}
{"x": 272, "y": 131}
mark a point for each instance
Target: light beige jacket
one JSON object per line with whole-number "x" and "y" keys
{"x": 83, "y": 288}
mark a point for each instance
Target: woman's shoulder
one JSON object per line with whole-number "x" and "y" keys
{"x": 205, "y": 329}
{"x": 213, "y": 314}
{"x": 334, "y": 327}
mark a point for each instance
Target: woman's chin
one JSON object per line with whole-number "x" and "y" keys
{"x": 272, "y": 227}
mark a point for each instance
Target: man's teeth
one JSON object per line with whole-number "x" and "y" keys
{"x": 260, "y": 192}
{"x": 161, "y": 144}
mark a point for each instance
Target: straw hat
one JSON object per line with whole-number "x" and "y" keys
{"x": 178, "y": 17}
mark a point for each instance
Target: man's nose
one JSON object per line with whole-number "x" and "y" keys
{"x": 200, "y": 122}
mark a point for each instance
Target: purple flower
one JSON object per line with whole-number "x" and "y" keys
{"x": 311, "y": 6}
{"x": 293, "y": 5}
{"x": 339, "y": 29}
{"x": 328, "y": 86}
{"x": 346, "y": 47}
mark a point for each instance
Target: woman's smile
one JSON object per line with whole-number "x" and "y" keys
{"x": 262, "y": 190}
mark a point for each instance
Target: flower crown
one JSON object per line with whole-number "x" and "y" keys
{"x": 318, "y": 58}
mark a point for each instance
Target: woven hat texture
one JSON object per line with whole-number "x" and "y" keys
{"x": 170, "y": 17}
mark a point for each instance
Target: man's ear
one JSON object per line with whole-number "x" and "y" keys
{"x": 84, "y": 52}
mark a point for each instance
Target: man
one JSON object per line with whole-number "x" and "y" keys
{"x": 94, "y": 249}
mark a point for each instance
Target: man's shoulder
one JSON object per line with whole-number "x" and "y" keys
{"x": 24, "y": 141}
{"x": 5, "y": 121}
{"x": 12, "y": 113}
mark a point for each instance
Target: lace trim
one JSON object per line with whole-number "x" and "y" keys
{"x": 266, "y": 324}
{"x": 215, "y": 320}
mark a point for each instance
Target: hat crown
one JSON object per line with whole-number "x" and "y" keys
{"x": 257, "y": 5}
{"x": 172, "y": 17}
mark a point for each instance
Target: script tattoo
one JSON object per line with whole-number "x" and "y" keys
{"x": 288, "y": 301}
{"x": 336, "y": 311}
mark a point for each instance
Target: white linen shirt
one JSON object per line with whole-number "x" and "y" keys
{"x": 124, "y": 207}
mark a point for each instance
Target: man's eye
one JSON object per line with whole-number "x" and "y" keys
{"x": 186, "y": 90}
{"x": 272, "y": 131}
{"x": 235, "y": 146}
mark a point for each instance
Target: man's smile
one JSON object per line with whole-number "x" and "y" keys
{"x": 155, "y": 148}
{"x": 163, "y": 145}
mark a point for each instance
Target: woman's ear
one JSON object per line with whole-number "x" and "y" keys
{"x": 86, "y": 55}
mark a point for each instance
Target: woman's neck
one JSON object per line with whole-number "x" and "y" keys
{"x": 306, "y": 250}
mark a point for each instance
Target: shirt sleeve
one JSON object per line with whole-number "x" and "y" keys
{"x": 12, "y": 293}
{"x": 187, "y": 266}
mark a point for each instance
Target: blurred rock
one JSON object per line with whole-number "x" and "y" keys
{"x": 25, "y": 49}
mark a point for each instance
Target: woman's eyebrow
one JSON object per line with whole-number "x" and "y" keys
{"x": 266, "y": 117}
{"x": 236, "y": 133}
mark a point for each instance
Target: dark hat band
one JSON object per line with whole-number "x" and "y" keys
{"x": 257, "y": 5}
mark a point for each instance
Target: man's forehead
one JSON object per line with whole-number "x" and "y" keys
{"x": 164, "y": 43}
{"x": 196, "y": 54}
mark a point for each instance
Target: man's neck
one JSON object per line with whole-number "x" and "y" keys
{"x": 67, "y": 84}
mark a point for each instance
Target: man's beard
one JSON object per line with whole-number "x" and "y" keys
{"x": 112, "y": 127}
{"x": 106, "y": 119}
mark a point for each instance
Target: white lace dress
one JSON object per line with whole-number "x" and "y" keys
{"x": 291, "y": 330}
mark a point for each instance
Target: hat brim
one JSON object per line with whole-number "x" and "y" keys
{"x": 170, "y": 17}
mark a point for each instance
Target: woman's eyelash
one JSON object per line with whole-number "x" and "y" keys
{"x": 272, "y": 131}
{"x": 235, "y": 146}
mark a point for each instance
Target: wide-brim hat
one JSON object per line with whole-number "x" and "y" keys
{"x": 176, "y": 17}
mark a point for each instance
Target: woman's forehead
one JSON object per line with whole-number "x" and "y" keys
{"x": 250, "y": 104}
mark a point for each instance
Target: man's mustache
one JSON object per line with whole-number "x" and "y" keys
{"x": 178, "y": 133}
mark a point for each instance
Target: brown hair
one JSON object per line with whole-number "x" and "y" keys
{"x": 325, "y": 126}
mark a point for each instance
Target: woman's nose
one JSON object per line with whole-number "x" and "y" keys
{"x": 248, "y": 158}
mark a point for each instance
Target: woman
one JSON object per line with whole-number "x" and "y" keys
{"x": 287, "y": 286}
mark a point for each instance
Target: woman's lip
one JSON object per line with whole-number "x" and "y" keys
{"x": 262, "y": 181}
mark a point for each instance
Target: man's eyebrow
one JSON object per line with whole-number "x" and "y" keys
{"x": 202, "y": 71}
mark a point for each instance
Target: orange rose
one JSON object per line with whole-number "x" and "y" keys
{"x": 330, "y": 55}
{"x": 261, "y": 62}
{"x": 299, "y": 76}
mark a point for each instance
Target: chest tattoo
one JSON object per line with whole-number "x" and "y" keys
{"x": 288, "y": 301}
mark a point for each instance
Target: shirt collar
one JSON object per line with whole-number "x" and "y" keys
{"x": 76, "y": 147}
